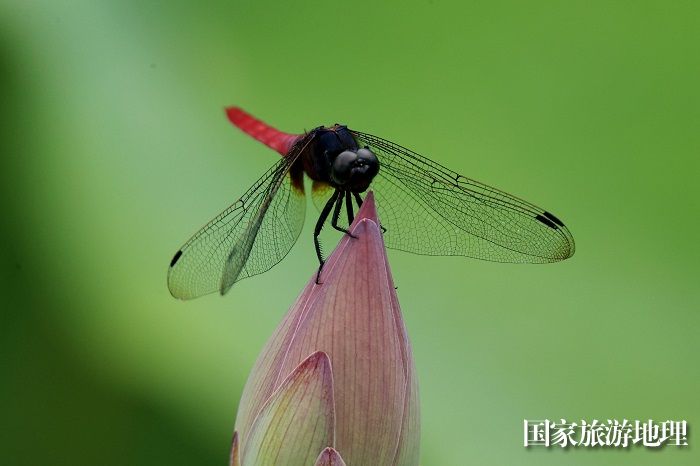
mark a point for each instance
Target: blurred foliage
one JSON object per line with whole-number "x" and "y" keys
{"x": 115, "y": 149}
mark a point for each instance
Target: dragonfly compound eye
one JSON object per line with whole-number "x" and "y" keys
{"x": 355, "y": 170}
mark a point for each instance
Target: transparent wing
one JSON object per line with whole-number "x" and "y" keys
{"x": 429, "y": 209}
{"x": 247, "y": 239}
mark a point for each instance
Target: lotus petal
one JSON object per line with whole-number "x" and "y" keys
{"x": 297, "y": 421}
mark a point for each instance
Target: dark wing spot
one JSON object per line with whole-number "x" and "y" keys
{"x": 175, "y": 258}
{"x": 554, "y": 219}
{"x": 547, "y": 221}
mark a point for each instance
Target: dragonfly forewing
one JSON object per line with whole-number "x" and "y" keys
{"x": 247, "y": 239}
{"x": 429, "y": 209}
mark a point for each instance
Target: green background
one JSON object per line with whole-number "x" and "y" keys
{"x": 115, "y": 148}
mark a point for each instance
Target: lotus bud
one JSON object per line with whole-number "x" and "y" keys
{"x": 337, "y": 377}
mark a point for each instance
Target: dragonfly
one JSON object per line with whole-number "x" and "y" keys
{"x": 424, "y": 208}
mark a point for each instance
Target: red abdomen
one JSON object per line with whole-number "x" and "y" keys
{"x": 271, "y": 137}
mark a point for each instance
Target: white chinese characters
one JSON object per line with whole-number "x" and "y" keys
{"x": 611, "y": 433}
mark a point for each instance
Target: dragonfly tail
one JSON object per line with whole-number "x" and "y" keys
{"x": 271, "y": 137}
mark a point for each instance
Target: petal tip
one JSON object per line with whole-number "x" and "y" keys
{"x": 318, "y": 359}
{"x": 234, "y": 459}
{"x": 368, "y": 211}
{"x": 329, "y": 457}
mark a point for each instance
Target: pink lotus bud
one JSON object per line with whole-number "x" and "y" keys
{"x": 337, "y": 376}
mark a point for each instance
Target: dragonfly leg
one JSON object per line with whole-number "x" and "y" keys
{"x": 348, "y": 204}
{"x": 358, "y": 199}
{"x": 336, "y": 214}
{"x": 317, "y": 231}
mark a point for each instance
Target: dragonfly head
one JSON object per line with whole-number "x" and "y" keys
{"x": 355, "y": 170}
